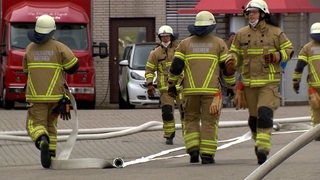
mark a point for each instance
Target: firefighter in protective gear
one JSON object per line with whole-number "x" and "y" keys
{"x": 159, "y": 61}
{"x": 309, "y": 56}
{"x": 201, "y": 57}
{"x": 46, "y": 61}
{"x": 258, "y": 49}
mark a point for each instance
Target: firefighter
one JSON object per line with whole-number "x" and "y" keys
{"x": 258, "y": 49}
{"x": 201, "y": 56}
{"x": 46, "y": 61}
{"x": 159, "y": 61}
{"x": 310, "y": 56}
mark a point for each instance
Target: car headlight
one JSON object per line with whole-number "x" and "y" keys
{"x": 136, "y": 76}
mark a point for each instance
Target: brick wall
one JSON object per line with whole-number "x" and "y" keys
{"x": 102, "y": 10}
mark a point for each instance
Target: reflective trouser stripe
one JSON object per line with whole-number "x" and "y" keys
{"x": 263, "y": 141}
{"x": 208, "y": 147}
{"x": 192, "y": 140}
{"x": 169, "y": 124}
{"x": 168, "y": 127}
{"x": 35, "y": 131}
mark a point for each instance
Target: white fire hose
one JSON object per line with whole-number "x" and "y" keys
{"x": 63, "y": 161}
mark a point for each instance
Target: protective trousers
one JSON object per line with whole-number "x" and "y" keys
{"x": 168, "y": 104}
{"x": 201, "y": 127}
{"x": 262, "y": 102}
{"x": 41, "y": 121}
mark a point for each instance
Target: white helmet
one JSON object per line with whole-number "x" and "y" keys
{"x": 315, "y": 28}
{"x": 45, "y": 24}
{"x": 165, "y": 30}
{"x": 259, "y": 4}
{"x": 205, "y": 18}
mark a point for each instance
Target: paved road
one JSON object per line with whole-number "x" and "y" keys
{"x": 20, "y": 160}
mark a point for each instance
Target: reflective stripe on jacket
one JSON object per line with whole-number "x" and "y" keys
{"x": 249, "y": 47}
{"x": 202, "y": 57}
{"x": 310, "y": 53}
{"x": 45, "y": 65}
{"x": 159, "y": 61}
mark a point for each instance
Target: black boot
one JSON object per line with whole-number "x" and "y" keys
{"x": 207, "y": 159}
{"x": 262, "y": 156}
{"x": 169, "y": 141}
{"x": 45, "y": 155}
{"x": 194, "y": 156}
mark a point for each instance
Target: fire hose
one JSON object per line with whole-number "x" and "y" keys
{"x": 63, "y": 161}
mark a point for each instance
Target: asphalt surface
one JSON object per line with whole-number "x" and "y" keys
{"x": 21, "y": 160}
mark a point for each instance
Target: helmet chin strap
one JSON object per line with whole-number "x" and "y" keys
{"x": 166, "y": 44}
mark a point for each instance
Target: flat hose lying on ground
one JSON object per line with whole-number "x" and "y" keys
{"x": 63, "y": 162}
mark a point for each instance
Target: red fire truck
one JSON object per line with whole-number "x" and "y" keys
{"x": 73, "y": 23}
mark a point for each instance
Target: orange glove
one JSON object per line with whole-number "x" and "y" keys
{"x": 151, "y": 90}
{"x": 314, "y": 98}
{"x": 230, "y": 67}
{"x": 216, "y": 105}
{"x": 270, "y": 58}
{"x": 240, "y": 99}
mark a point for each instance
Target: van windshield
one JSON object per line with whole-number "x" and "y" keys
{"x": 73, "y": 35}
{"x": 140, "y": 56}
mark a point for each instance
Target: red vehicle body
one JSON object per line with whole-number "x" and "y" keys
{"x": 73, "y": 28}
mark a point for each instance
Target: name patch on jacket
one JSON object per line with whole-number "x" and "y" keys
{"x": 43, "y": 55}
{"x": 201, "y": 47}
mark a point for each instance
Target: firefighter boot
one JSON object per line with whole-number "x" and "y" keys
{"x": 169, "y": 141}
{"x": 45, "y": 155}
{"x": 194, "y": 156}
{"x": 262, "y": 156}
{"x": 207, "y": 159}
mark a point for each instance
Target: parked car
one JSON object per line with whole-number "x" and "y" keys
{"x": 132, "y": 84}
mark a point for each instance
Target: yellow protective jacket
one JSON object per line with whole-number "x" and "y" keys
{"x": 45, "y": 64}
{"x": 249, "y": 47}
{"x": 159, "y": 61}
{"x": 309, "y": 55}
{"x": 202, "y": 58}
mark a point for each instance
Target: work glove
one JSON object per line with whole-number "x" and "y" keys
{"x": 230, "y": 67}
{"x": 296, "y": 85}
{"x": 63, "y": 108}
{"x": 151, "y": 90}
{"x": 172, "y": 90}
{"x": 271, "y": 58}
{"x": 314, "y": 98}
{"x": 240, "y": 99}
{"x": 216, "y": 105}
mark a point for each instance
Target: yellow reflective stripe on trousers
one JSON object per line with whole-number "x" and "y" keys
{"x": 191, "y": 139}
{"x": 263, "y": 141}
